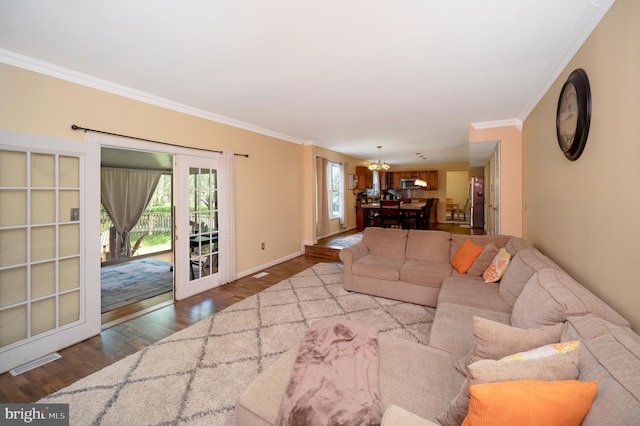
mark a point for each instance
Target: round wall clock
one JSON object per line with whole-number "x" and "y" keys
{"x": 574, "y": 114}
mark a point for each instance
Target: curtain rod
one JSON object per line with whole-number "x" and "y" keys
{"x": 76, "y": 127}
{"x": 337, "y": 162}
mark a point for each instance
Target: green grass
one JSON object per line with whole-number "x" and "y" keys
{"x": 153, "y": 243}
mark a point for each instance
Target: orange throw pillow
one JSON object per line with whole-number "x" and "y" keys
{"x": 465, "y": 256}
{"x": 530, "y": 402}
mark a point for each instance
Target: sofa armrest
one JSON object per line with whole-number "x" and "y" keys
{"x": 350, "y": 254}
{"x": 397, "y": 416}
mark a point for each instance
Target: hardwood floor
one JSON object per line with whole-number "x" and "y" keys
{"x": 134, "y": 327}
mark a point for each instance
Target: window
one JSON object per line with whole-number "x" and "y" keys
{"x": 335, "y": 185}
{"x": 376, "y": 182}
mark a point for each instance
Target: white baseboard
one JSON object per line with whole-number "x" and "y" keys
{"x": 269, "y": 264}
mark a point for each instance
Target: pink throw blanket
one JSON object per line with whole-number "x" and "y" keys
{"x": 334, "y": 380}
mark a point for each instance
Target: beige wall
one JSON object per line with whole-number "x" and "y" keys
{"x": 583, "y": 214}
{"x": 269, "y": 183}
{"x": 510, "y": 139}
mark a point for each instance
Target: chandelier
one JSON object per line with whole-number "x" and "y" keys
{"x": 379, "y": 166}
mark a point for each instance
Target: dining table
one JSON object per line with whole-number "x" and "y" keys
{"x": 413, "y": 206}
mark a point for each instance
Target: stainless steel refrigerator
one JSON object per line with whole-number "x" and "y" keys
{"x": 476, "y": 198}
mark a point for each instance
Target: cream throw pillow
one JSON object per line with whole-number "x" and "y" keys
{"x": 494, "y": 340}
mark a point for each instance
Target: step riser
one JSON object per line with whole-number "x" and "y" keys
{"x": 323, "y": 252}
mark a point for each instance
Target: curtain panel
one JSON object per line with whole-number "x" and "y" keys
{"x": 322, "y": 192}
{"x": 125, "y": 193}
{"x": 227, "y": 236}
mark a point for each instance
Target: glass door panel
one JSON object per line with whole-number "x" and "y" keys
{"x": 196, "y": 221}
{"x": 203, "y": 220}
{"x": 46, "y": 300}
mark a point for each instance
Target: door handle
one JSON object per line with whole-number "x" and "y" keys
{"x": 173, "y": 221}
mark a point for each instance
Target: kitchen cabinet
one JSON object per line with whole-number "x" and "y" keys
{"x": 386, "y": 180}
{"x": 365, "y": 177}
{"x": 431, "y": 177}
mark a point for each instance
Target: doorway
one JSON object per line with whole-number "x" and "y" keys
{"x": 457, "y": 188}
{"x": 136, "y": 232}
{"x": 195, "y": 268}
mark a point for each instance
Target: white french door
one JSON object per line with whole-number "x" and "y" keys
{"x": 49, "y": 245}
{"x": 196, "y": 222}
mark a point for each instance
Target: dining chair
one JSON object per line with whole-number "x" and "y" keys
{"x": 426, "y": 216}
{"x": 450, "y": 208}
{"x": 390, "y": 214}
{"x": 463, "y": 210}
{"x": 412, "y": 219}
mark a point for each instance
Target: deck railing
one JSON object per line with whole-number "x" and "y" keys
{"x": 149, "y": 223}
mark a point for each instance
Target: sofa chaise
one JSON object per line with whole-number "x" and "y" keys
{"x": 476, "y": 323}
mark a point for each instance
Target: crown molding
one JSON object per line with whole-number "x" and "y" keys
{"x": 498, "y": 123}
{"x": 14, "y": 59}
{"x": 588, "y": 22}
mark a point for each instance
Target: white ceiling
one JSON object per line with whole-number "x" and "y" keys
{"x": 347, "y": 75}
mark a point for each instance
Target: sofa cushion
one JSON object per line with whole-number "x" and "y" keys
{"x": 521, "y": 268}
{"x": 555, "y": 367}
{"x": 416, "y": 377}
{"x": 483, "y": 260}
{"x": 386, "y": 268}
{"x": 551, "y": 296}
{"x": 425, "y": 273}
{"x": 515, "y": 244}
{"x": 465, "y": 256}
{"x": 472, "y": 292}
{"x": 386, "y": 242}
{"x": 394, "y": 416}
{"x": 529, "y": 402}
{"x": 452, "y": 329}
{"x": 432, "y": 246}
{"x": 609, "y": 354}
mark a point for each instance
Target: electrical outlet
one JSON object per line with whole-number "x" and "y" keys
{"x": 262, "y": 246}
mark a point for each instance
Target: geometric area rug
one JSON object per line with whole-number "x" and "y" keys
{"x": 130, "y": 282}
{"x": 195, "y": 376}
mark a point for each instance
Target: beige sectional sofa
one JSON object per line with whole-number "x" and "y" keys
{"x": 420, "y": 384}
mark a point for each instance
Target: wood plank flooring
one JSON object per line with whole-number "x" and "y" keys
{"x": 134, "y": 327}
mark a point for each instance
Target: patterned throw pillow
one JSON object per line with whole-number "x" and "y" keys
{"x": 544, "y": 351}
{"x": 496, "y": 268}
